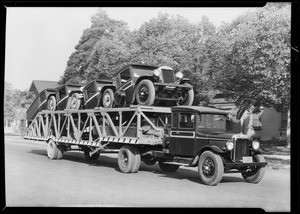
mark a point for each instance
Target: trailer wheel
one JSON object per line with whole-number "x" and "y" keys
{"x": 75, "y": 101}
{"x": 94, "y": 157}
{"x": 211, "y": 168}
{"x": 60, "y": 152}
{"x": 145, "y": 93}
{"x": 52, "y": 150}
{"x": 255, "y": 174}
{"x": 167, "y": 167}
{"x": 137, "y": 160}
{"x": 51, "y": 103}
{"x": 107, "y": 99}
{"x": 126, "y": 159}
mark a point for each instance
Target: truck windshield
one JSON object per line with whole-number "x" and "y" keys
{"x": 211, "y": 121}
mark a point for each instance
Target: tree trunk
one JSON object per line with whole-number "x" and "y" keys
{"x": 288, "y": 130}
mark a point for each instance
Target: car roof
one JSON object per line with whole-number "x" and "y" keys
{"x": 200, "y": 109}
{"x": 136, "y": 65}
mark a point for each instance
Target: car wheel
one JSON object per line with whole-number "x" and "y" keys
{"x": 188, "y": 98}
{"x": 145, "y": 93}
{"x": 107, "y": 98}
{"x": 51, "y": 103}
{"x": 255, "y": 174}
{"x": 210, "y": 168}
{"x": 75, "y": 101}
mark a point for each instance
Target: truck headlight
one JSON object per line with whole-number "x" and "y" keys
{"x": 69, "y": 91}
{"x": 179, "y": 75}
{"x": 99, "y": 88}
{"x": 229, "y": 145}
{"x": 156, "y": 72}
{"x": 255, "y": 145}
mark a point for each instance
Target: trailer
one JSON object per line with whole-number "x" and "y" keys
{"x": 189, "y": 136}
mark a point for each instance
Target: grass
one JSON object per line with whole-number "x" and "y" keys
{"x": 270, "y": 149}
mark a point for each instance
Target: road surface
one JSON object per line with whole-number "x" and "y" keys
{"x": 34, "y": 180}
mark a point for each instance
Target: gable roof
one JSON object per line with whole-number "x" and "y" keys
{"x": 40, "y": 85}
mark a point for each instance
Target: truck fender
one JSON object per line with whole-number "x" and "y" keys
{"x": 183, "y": 80}
{"x": 213, "y": 148}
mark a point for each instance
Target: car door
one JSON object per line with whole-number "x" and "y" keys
{"x": 62, "y": 98}
{"x": 182, "y": 136}
{"x": 125, "y": 86}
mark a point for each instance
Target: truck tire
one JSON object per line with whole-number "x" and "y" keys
{"x": 107, "y": 98}
{"x": 51, "y": 103}
{"x": 167, "y": 167}
{"x": 126, "y": 159}
{"x": 189, "y": 98}
{"x": 137, "y": 160}
{"x": 255, "y": 174}
{"x": 52, "y": 150}
{"x": 75, "y": 101}
{"x": 210, "y": 168}
{"x": 94, "y": 157}
{"x": 145, "y": 93}
{"x": 60, "y": 152}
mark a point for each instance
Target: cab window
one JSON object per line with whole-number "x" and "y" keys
{"x": 186, "y": 120}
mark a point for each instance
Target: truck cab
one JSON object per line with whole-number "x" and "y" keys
{"x": 198, "y": 137}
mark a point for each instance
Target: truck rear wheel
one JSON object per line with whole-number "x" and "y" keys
{"x": 167, "y": 167}
{"x": 255, "y": 174}
{"x": 137, "y": 160}
{"x": 210, "y": 168}
{"x": 126, "y": 159}
{"x": 52, "y": 150}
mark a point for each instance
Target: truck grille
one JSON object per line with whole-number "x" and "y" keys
{"x": 241, "y": 149}
{"x": 168, "y": 76}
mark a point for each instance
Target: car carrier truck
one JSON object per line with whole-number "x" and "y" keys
{"x": 189, "y": 136}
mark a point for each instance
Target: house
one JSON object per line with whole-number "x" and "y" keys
{"x": 39, "y": 85}
{"x": 270, "y": 125}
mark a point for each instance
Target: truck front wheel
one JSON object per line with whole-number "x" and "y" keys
{"x": 255, "y": 174}
{"x": 210, "y": 168}
{"x": 167, "y": 167}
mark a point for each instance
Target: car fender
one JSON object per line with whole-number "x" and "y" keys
{"x": 212, "y": 148}
{"x": 184, "y": 80}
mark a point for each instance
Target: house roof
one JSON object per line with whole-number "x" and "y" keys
{"x": 40, "y": 85}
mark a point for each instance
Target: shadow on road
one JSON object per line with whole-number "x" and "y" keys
{"x": 112, "y": 162}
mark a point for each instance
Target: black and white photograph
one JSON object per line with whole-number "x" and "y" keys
{"x": 148, "y": 107}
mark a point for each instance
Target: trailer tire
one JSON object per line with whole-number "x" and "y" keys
{"x": 210, "y": 168}
{"x": 256, "y": 174}
{"x": 167, "y": 167}
{"x": 126, "y": 159}
{"x": 60, "y": 152}
{"x": 94, "y": 157}
{"x": 52, "y": 150}
{"x": 137, "y": 160}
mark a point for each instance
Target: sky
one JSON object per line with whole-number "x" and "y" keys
{"x": 39, "y": 41}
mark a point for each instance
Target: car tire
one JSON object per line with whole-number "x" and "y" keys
{"x": 52, "y": 150}
{"x": 51, "y": 103}
{"x": 75, "y": 101}
{"x": 167, "y": 167}
{"x": 145, "y": 93}
{"x": 126, "y": 159}
{"x": 107, "y": 98}
{"x": 210, "y": 168}
{"x": 255, "y": 174}
{"x": 189, "y": 99}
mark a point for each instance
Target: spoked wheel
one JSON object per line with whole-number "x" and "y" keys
{"x": 107, "y": 98}
{"x": 145, "y": 93}
{"x": 210, "y": 168}
{"x": 51, "y": 103}
{"x": 255, "y": 174}
{"x": 75, "y": 101}
{"x": 187, "y": 98}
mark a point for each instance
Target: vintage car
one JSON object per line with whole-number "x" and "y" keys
{"x": 64, "y": 97}
{"x": 151, "y": 85}
{"x": 39, "y": 104}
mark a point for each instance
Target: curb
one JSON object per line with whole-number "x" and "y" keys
{"x": 278, "y": 157}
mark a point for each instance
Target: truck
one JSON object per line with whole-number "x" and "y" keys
{"x": 178, "y": 136}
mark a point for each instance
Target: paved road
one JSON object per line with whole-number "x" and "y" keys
{"x": 34, "y": 180}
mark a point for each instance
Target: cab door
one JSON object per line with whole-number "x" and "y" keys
{"x": 182, "y": 135}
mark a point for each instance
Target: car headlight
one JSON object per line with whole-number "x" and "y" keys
{"x": 99, "y": 88}
{"x": 179, "y": 75}
{"x": 255, "y": 145}
{"x": 81, "y": 88}
{"x": 229, "y": 145}
{"x": 156, "y": 72}
{"x": 69, "y": 91}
